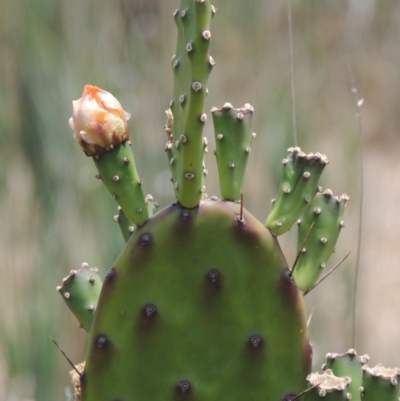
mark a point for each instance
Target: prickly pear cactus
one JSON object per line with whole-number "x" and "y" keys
{"x": 198, "y": 304}
{"x": 201, "y": 304}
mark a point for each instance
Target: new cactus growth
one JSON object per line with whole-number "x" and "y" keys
{"x": 233, "y": 137}
{"x": 329, "y": 387}
{"x": 80, "y": 291}
{"x": 348, "y": 364}
{"x": 299, "y": 185}
{"x": 200, "y": 304}
{"x": 362, "y": 383}
{"x": 325, "y": 214}
{"x": 380, "y": 383}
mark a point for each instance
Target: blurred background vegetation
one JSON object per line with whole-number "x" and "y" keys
{"x": 54, "y": 214}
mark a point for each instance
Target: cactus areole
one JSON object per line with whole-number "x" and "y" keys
{"x": 200, "y": 305}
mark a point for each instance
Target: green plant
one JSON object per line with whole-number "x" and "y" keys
{"x": 201, "y": 303}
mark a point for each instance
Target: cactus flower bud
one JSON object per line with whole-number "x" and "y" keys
{"x": 98, "y": 121}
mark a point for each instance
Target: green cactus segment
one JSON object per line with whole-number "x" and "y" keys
{"x": 199, "y": 305}
{"x": 191, "y": 65}
{"x": 233, "y": 137}
{"x": 326, "y": 212}
{"x": 118, "y": 172}
{"x": 152, "y": 205}
{"x": 81, "y": 290}
{"x": 328, "y": 387}
{"x": 380, "y": 383}
{"x": 299, "y": 184}
{"x": 125, "y": 225}
{"x": 348, "y": 364}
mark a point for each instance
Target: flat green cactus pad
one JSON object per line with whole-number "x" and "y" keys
{"x": 198, "y": 306}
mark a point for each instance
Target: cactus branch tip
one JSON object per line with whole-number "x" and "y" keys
{"x": 228, "y": 106}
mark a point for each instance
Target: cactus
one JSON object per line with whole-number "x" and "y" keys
{"x": 201, "y": 303}
{"x": 328, "y": 386}
{"x": 348, "y": 364}
{"x": 299, "y": 185}
{"x": 324, "y": 215}
{"x": 348, "y": 377}
{"x": 80, "y": 291}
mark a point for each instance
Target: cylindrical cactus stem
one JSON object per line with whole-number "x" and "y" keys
{"x": 152, "y": 205}
{"x": 328, "y": 387}
{"x": 325, "y": 213}
{"x": 380, "y": 383}
{"x": 125, "y": 225}
{"x": 233, "y": 137}
{"x": 348, "y": 364}
{"x": 118, "y": 172}
{"x": 299, "y": 184}
{"x": 101, "y": 129}
{"x": 80, "y": 291}
{"x": 192, "y": 65}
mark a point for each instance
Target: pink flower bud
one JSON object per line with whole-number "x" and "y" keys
{"x": 98, "y": 120}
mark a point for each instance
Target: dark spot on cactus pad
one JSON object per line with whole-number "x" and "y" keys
{"x": 240, "y": 220}
{"x": 102, "y": 353}
{"x": 100, "y": 358}
{"x": 184, "y": 222}
{"x": 111, "y": 275}
{"x": 184, "y": 387}
{"x": 143, "y": 247}
{"x": 247, "y": 233}
{"x": 150, "y": 311}
{"x": 102, "y": 341}
{"x": 289, "y": 276}
{"x": 289, "y": 290}
{"x": 214, "y": 277}
{"x": 256, "y": 342}
{"x": 146, "y": 239}
{"x": 185, "y": 215}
